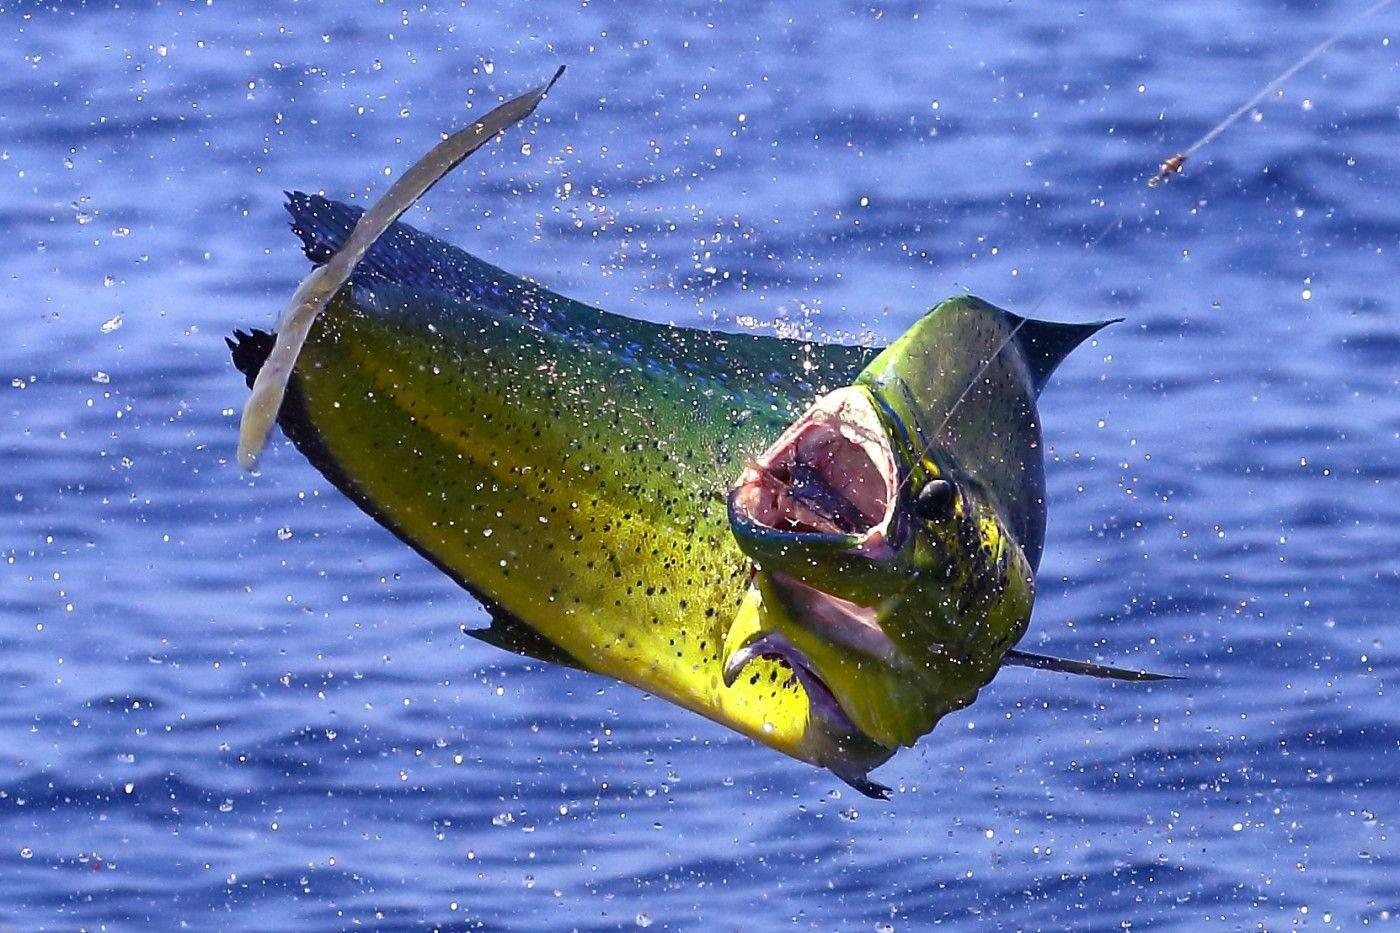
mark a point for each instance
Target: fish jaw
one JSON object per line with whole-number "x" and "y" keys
{"x": 817, "y": 512}
{"x": 896, "y": 618}
{"x": 830, "y": 738}
{"x": 819, "y": 505}
{"x": 881, "y": 675}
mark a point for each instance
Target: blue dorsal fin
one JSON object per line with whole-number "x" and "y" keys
{"x": 403, "y": 255}
{"x": 1045, "y": 344}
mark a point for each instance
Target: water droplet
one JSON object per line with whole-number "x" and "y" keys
{"x": 112, "y": 323}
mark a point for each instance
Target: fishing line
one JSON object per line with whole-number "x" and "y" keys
{"x": 1175, "y": 163}
{"x": 1169, "y": 167}
{"x": 1113, "y": 225}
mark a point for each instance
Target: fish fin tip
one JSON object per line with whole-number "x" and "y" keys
{"x": 249, "y": 349}
{"x": 296, "y": 202}
{"x": 320, "y": 223}
{"x": 856, "y": 773}
{"x": 872, "y": 789}
{"x": 1044, "y": 662}
{"x": 1045, "y": 344}
{"x": 509, "y": 633}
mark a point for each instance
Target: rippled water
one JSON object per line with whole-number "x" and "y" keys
{"x": 237, "y": 702}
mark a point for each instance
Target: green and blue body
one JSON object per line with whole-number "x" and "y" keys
{"x": 569, "y": 467}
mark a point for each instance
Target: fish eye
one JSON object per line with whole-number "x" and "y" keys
{"x": 935, "y": 501}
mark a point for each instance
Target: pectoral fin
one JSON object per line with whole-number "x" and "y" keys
{"x": 1082, "y": 668}
{"x": 510, "y": 634}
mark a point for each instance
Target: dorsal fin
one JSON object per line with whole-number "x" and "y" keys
{"x": 1045, "y": 344}
{"x": 403, "y": 256}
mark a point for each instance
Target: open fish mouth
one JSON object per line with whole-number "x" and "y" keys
{"x": 831, "y": 476}
{"x": 814, "y": 511}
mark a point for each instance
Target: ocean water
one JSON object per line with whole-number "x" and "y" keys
{"x": 235, "y": 702}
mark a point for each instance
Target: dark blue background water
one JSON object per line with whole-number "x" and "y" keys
{"x": 236, "y": 702}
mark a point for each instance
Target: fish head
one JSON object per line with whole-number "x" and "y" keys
{"x": 885, "y": 573}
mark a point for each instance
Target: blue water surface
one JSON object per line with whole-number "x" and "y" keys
{"x": 235, "y": 702}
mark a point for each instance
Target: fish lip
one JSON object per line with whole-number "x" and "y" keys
{"x": 842, "y": 445}
{"x": 820, "y": 699}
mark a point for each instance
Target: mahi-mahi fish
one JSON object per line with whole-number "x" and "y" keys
{"x": 824, "y": 547}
